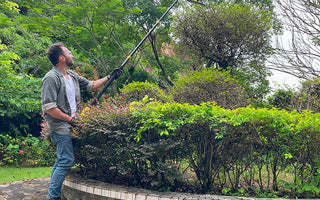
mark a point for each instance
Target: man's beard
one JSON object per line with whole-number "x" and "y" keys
{"x": 69, "y": 62}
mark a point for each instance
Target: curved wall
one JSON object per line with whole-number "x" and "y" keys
{"x": 78, "y": 188}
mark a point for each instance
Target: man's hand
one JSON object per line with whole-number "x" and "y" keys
{"x": 74, "y": 123}
{"x": 116, "y": 72}
{"x": 75, "y": 127}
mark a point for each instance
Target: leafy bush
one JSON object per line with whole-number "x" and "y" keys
{"x": 25, "y": 151}
{"x": 239, "y": 140}
{"x": 20, "y": 101}
{"x": 136, "y": 91}
{"x": 151, "y": 143}
{"x": 282, "y": 99}
{"x": 108, "y": 150}
{"x": 209, "y": 86}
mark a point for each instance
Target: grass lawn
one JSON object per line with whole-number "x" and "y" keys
{"x": 10, "y": 174}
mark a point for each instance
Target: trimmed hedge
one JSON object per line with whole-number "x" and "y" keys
{"x": 151, "y": 143}
{"x": 207, "y": 86}
{"x": 136, "y": 91}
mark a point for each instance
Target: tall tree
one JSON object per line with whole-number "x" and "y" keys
{"x": 82, "y": 23}
{"x": 102, "y": 32}
{"x": 94, "y": 30}
{"x": 261, "y": 4}
{"x": 28, "y": 46}
{"x": 227, "y": 36}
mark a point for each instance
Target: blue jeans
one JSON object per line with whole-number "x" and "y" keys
{"x": 64, "y": 162}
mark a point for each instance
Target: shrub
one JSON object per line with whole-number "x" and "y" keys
{"x": 225, "y": 143}
{"x": 25, "y": 151}
{"x": 136, "y": 91}
{"x": 20, "y": 102}
{"x": 148, "y": 143}
{"x": 107, "y": 149}
{"x": 282, "y": 99}
{"x": 209, "y": 86}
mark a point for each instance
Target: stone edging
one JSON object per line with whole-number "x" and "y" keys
{"x": 78, "y": 188}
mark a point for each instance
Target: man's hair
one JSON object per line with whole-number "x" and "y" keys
{"x": 54, "y": 52}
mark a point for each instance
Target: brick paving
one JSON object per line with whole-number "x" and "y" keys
{"x": 76, "y": 187}
{"x": 35, "y": 189}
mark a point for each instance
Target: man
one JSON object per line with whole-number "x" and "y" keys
{"x": 60, "y": 95}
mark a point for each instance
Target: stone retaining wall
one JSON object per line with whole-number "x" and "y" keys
{"x": 78, "y": 188}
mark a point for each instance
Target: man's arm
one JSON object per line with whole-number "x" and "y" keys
{"x": 100, "y": 82}
{"x": 58, "y": 114}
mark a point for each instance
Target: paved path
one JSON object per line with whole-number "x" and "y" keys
{"x": 35, "y": 189}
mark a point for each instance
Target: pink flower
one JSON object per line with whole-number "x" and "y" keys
{"x": 23, "y": 143}
{"x": 20, "y": 152}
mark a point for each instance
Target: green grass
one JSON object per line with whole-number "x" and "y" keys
{"x": 8, "y": 174}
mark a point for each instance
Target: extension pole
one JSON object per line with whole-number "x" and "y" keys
{"x": 113, "y": 77}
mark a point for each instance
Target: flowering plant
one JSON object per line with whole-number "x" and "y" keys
{"x": 25, "y": 151}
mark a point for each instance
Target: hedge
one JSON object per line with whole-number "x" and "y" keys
{"x": 152, "y": 144}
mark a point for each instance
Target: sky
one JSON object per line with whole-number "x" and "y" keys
{"x": 280, "y": 80}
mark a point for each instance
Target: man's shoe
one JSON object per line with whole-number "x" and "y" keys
{"x": 55, "y": 198}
